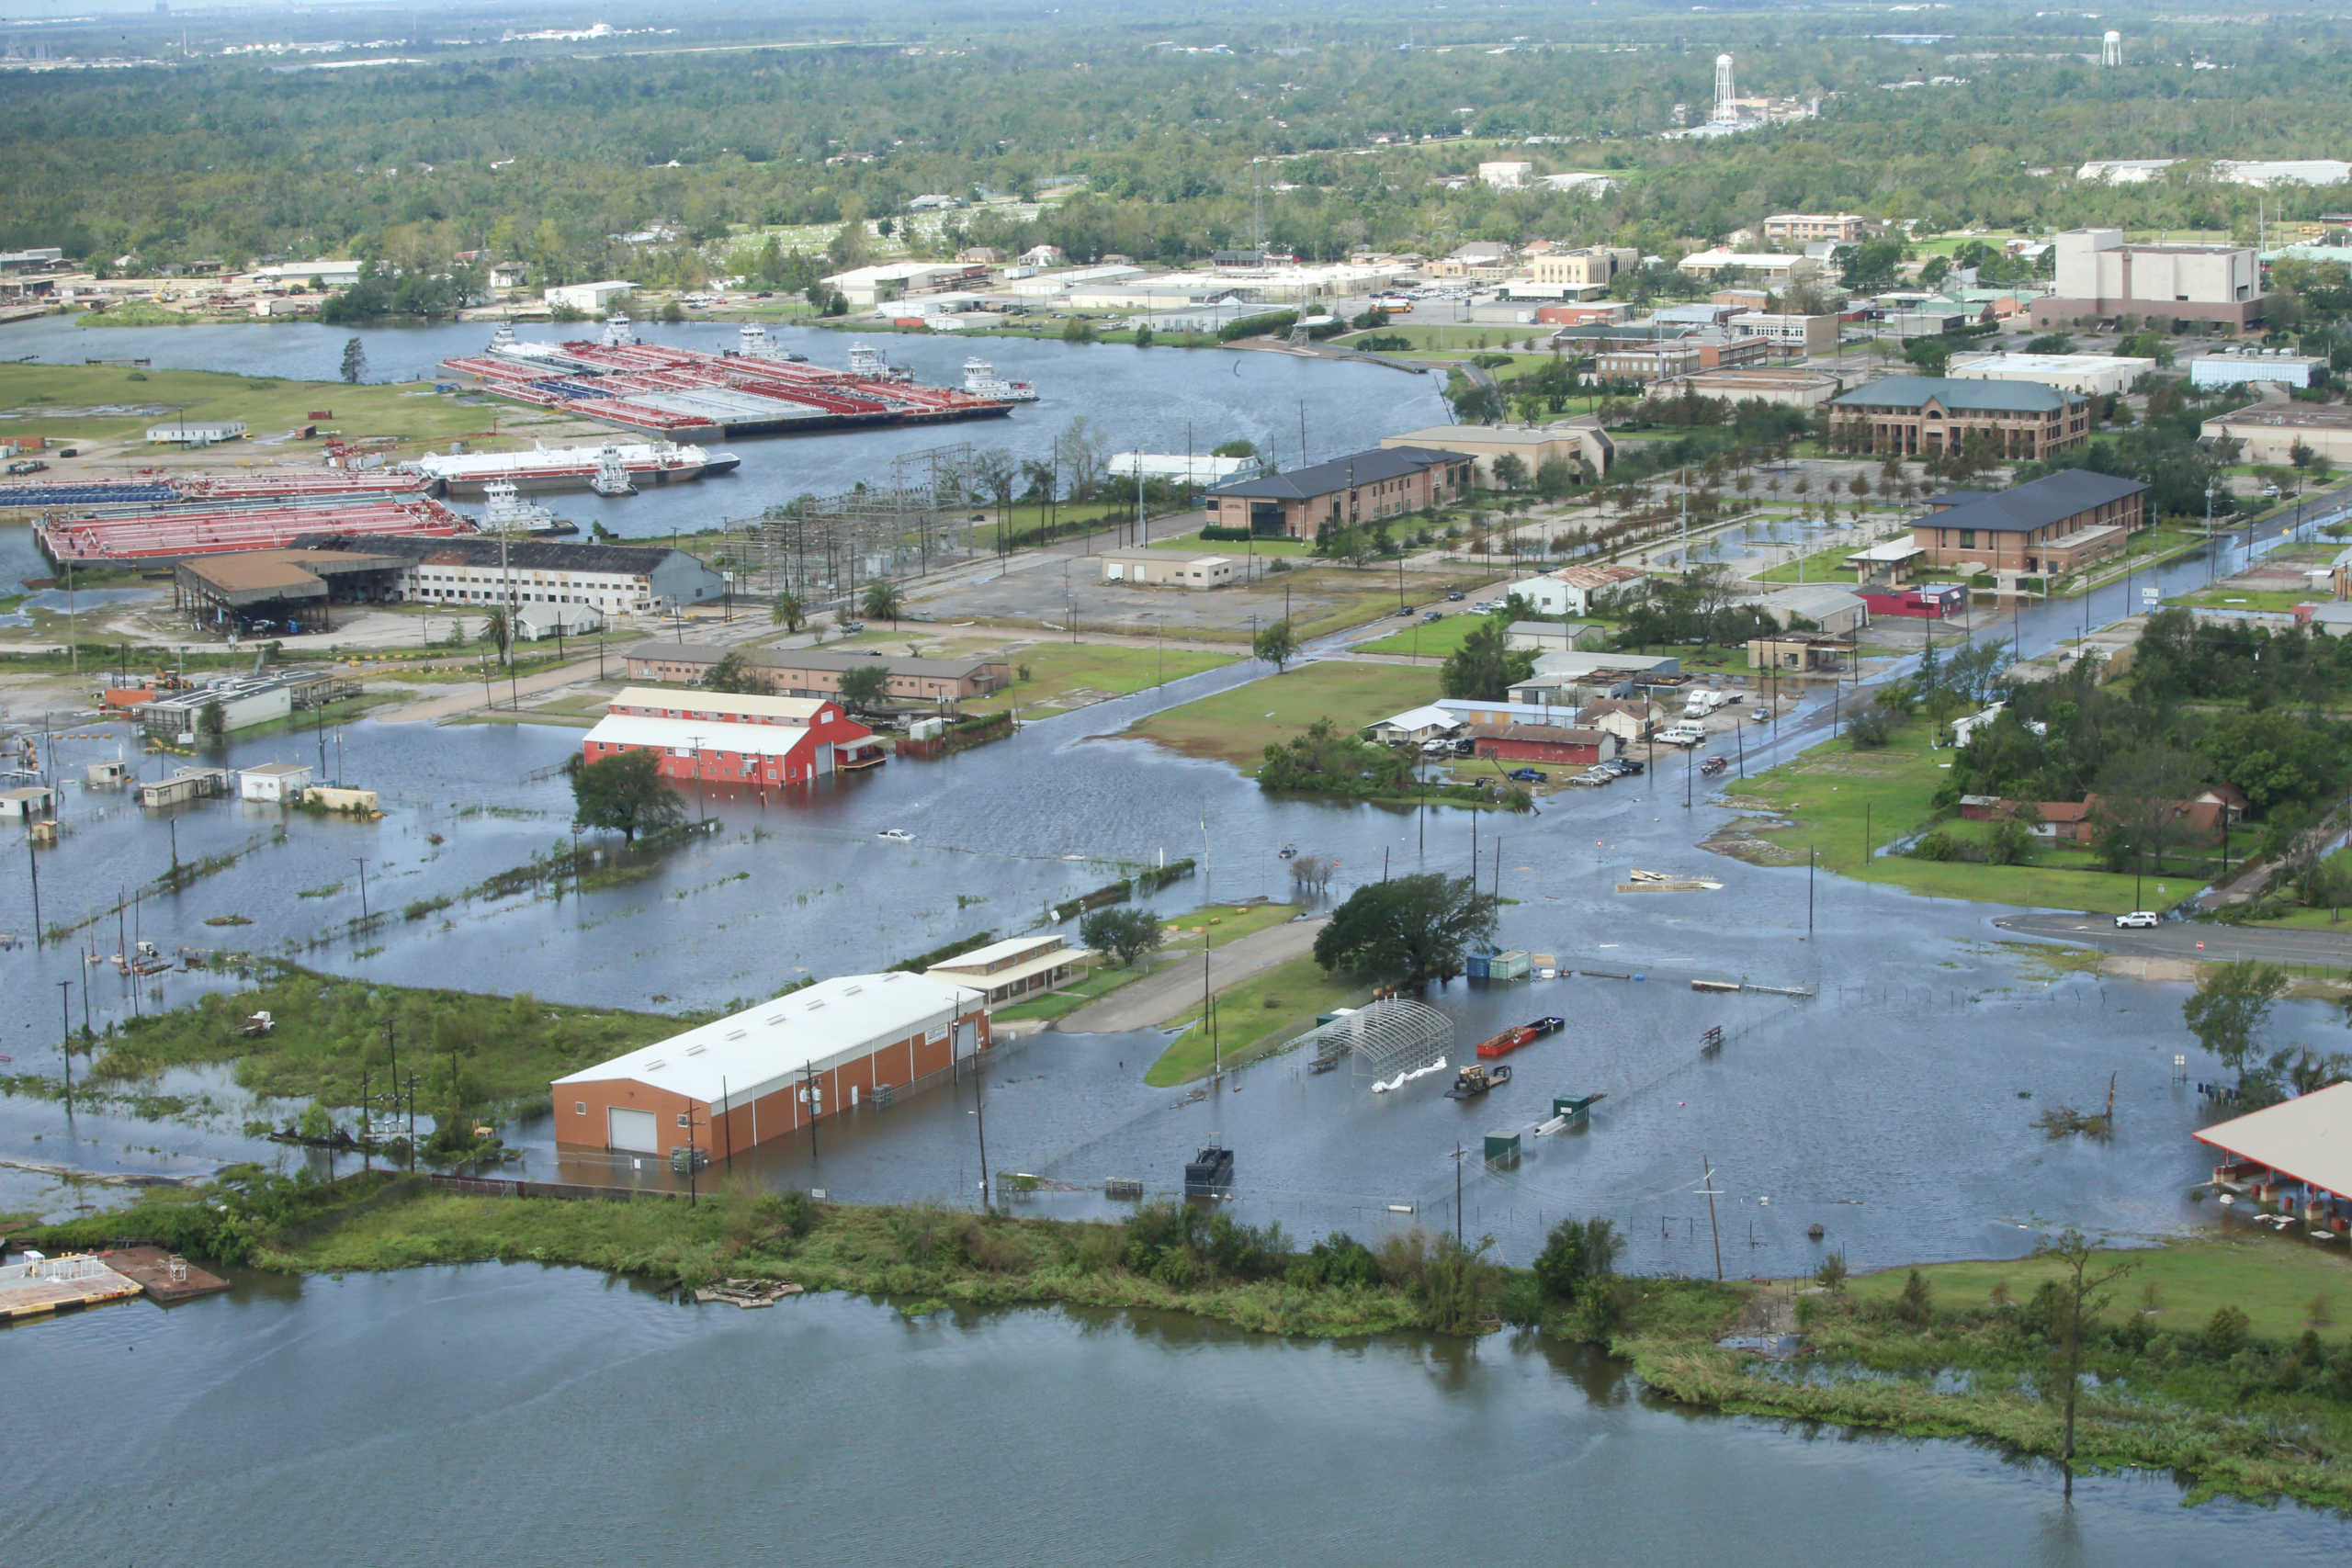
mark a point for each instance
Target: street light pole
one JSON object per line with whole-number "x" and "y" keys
{"x": 363, "y": 888}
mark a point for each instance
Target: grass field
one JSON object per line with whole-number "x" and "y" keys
{"x": 1214, "y": 925}
{"x": 1823, "y": 566}
{"x": 1344, "y": 596}
{"x": 2272, "y": 1278}
{"x": 1437, "y": 641}
{"x": 2242, "y": 599}
{"x": 1069, "y": 673}
{"x": 1826, "y": 793}
{"x": 1239, "y": 549}
{"x": 81, "y": 396}
{"x": 1258, "y": 1014}
{"x": 1237, "y": 726}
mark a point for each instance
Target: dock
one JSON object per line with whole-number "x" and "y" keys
{"x": 38, "y": 1287}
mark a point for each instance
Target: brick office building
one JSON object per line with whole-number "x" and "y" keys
{"x": 2062, "y": 524}
{"x": 1368, "y": 487}
{"x": 1919, "y": 416}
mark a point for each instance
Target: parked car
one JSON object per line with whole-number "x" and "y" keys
{"x": 1761, "y": 715}
{"x": 1684, "y": 734}
{"x": 2138, "y": 920}
{"x": 1530, "y": 775}
{"x": 1432, "y": 616}
{"x": 1405, "y": 611}
{"x": 1632, "y": 767}
{"x": 1455, "y": 595}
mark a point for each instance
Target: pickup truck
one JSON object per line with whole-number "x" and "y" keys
{"x": 1685, "y": 733}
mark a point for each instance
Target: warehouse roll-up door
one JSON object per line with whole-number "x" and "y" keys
{"x": 967, "y": 1036}
{"x": 632, "y": 1131}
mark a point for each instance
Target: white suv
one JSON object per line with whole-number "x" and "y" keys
{"x": 2138, "y": 920}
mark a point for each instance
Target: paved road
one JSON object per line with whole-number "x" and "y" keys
{"x": 1170, "y": 990}
{"x": 2177, "y": 939}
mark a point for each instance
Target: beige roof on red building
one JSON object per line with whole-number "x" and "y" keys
{"x": 2309, "y": 1138}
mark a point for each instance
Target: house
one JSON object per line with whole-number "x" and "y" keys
{"x": 1629, "y": 719}
{"x": 1166, "y": 569}
{"x": 1547, "y": 637}
{"x": 1920, "y": 416}
{"x": 28, "y": 804}
{"x": 1363, "y": 488}
{"x": 2059, "y": 524}
{"x": 770, "y": 1070}
{"x": 1013, "y": 967}
{"x": 2099, "y": 277}
{"x": 1558, "y": 744}
{"x": 273, "y": 783}
{"x": 732, "y": 739}
{"x": 1415, "y": 726}
{"x": 1581, "y": 590}
{"x": 1042, "y": 256}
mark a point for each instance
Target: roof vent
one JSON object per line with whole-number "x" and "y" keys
{"x": 778, "y": 1019}
{"x": 695, "y": 1050}
{"x": 814, "y": 1006}
{"x": 653, "y": 1066}
{"x": 851, "y": 990}
{"x": 733, "y": 1034}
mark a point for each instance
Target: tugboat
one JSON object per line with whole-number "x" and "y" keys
{"x": 1474, "y": 1081}
{"x": 981, "y": 380}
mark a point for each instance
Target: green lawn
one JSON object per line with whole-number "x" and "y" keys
{"x": 1827, "y": 791}
{"x": 1214, "y": 925}
{"x": 407, "y": 412}
{"x": 1823, "y": 566}
{"x": 1261, "y": 1012}
{"x": 1437, "y": 641}
{"x": 2240, "y": 599}
{"x": 1061, "y": 672}
{"x": 1239, "y": 548}
{"x": 2272, "y": 1278}
{"x": 1237, "y": 726}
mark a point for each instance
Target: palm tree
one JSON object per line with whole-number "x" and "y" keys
{"x": 883, "y": 601}
{"x": 787, "y": 611}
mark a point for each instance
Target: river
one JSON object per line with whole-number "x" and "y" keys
{"x": 442, "y": 1415}
{"x": 1162, "y": 400}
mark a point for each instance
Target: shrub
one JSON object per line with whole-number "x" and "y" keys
{"x": 2226, "y": 1331}
{"x": 1916, "y": 1304}
{"x": 1831, "y": 1275}
{"x": 1937, "y": 845}
{"x": 1336, "y": 1262}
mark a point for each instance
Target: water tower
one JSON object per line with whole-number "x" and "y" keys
{"x": 1726, "y": 106}
{"x": 2110, "y": 49}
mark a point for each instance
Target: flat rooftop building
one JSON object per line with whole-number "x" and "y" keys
{"x": 2091, "y": 375}
{"x": 2270, "y": 432}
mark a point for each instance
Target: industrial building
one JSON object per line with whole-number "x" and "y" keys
{"x": 1788, "y": 333}
{"x": 245, "y": 701}
{"x": 1769, "y": 267}
{"x": 2240, "y": 367}
{"x": 771, "y": 1070}
{"x": 1688, "y": 355}
{"x": 733, "y": 738}
{"x": 1586, "y": 272}
{"x": 1013, "y": 967}
{"x": 2060, "y": 523}
{"x": 1365, "y": 487}
{"x": 817, "y": 672}
{"x": 2099, "y": 277}
{"x": 273, "y": 783}
{"x": 475, "y": 573}
{"x": 2088, "y": 375}
{"x": 196, "y": 433}
{"x": 1919, "y": 416}
{"x": 1561, "y": 745}
{"x": 2270, "y": 432}
{"x": 1584, "y": 444}
{"x": 1166, "y": 569}
{"x": 1788, "y": 387}
{"x": 588, "y": 299}
{"x": 289, "y": 592}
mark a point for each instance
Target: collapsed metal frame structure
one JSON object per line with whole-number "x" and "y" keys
{"x": 1384, "y": 1037}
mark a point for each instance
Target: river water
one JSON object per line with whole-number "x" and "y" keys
{"x": 568, "y": 1420}
{"x": 1161, "y": 400}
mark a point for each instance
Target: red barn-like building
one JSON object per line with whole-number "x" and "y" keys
{"x": 734, "y": 738}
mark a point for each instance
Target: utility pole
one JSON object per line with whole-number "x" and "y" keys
{"x": 1808, "y": 892}
{"x": 701, "y": 811}
{"x": 1457, "y": 1200}
{"x": 66, "y": 1013}
{"x": 980, "y": 1116}
{"x": 1711, "y": 1215}
{"x": 808, "y": 1093}
{"x": 32, "y": 863}
{"x": 363, "y": 888}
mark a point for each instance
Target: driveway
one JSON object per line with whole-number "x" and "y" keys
{"x": 1175, "y": 985}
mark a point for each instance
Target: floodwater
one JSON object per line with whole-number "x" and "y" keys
{"x": 832, "y": 1430}
{"x": 1161, "y": 400}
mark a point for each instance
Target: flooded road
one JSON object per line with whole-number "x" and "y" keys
{"x": 1162, "y": 400}
{"x": 620, "y": 1427}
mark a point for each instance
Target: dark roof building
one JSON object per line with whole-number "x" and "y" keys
{"x": 1365, "y": 487}
{"x": 1921, "y": 416}
{"x": 2057, "y": 525}
{"x": 538, "y": 567}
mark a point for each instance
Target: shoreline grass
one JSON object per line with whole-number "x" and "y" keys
{"x": 1253, "y": 1016}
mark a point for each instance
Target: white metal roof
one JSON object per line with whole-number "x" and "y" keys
{"x": 1431, "y": 717}
{"x": 1889, "y": 549}
{"x": 688, "y": 735}
{"x": 734, "y": 1060}
{"x": 800, "y": 709}
{"x": 2309, "y": 1138}
{"x": 998, "y": 952}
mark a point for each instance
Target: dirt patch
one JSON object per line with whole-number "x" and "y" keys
{"x": 1738, "y": 841}
{"x": 2127, "y": 968}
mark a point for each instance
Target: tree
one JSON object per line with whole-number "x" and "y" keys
{"x": 355, "y": 360}
{"x": 995, "y": 471}
{"x": 1409, "y": 929}
{"x": 1277, "y": 645}
{"x": 495, "y": 630}
{"x": 2231, "y": 1004}
{"x": 865, "y": 685}
{"x": 1128, "y": 934}
{"x": 1577, "y": 1250}
{"x": 1482, "y": 667}
{"x": 882, "y": 600}
{"x": 1510, "y": 470}
{"x": 2082, "y": 1294}
{"x": 211, "y": 723}
{"x": 785, "y": 611}
{"x": 1143, "y": 335}
{"x": 735, "y": 673}
{"x": 624, "y": 791}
